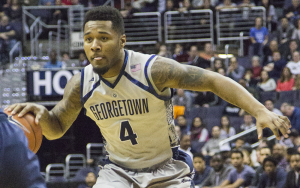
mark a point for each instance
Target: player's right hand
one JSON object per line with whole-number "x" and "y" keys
{"x": 23, "y": 108}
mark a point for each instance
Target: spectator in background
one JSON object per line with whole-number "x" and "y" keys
{"x": 82, "y": 61}
{"x": 252, "y": 90}
{"x": 294, "y": 65}
{"x": 7, "y": 38}
{"x": 146, "y": 5}
{"x": 288, "y": 54}
{"x": 218, "y": 63}
{"x": 206, "y": 99}
{"x": 206, "y": 55}
{"x": 297, "y": 82}
{"x": 275, "y": 67}
{"x": 284, "y": 31}
{"x": 46, "y": 2}
{"x": 164, "y": 52}
{"x": 286, "y": 81}
{"x": 266, "y": 83}
{"x": 250, "y": 80}
{"x": 181, "y": 103}
{"x": 247, "y": 156}
{"x": 268, "y": 52}
{"x": 194, "y": 57}
{"x": 270, "y": 14}
{"x": 258, "y": 36}
{"x": 212, "y": 145}
{"x": 53, "y": 63}
{"x": 235, "y": 71}
{"x": 202, "y": 172}
{"x": 256, "y": 67}
{"x": 185, "y": 144}
{"x": 220, "y": 171}
{"x": 179, "y": 54}
{"x": 226, "y": 4}
{"x": 239, "y": 143}
{"x": 272, "y": 176}
{"x": 185, "y": 6}
{"x": 269, "y": 104}
{"x": 182, "y": 123}
{"x": 264, "y": 152}
{"x": 198, "y": 131}
{"x": 66, "y": 2}
{"x": 178, "y": 131}
{"x": 250, "y": 138}
{"x": 292, "y": 12}
{"x": 90, "y": 181}
{"x": 279, "y": 153}
{"x": 226, "y": 129}
{"x": 59, "y": 13}
{"x": 242, "y": 175}
{"x": 14, "y": 11}
{"x": 296, "y": 31}
{"x": 128, "y": 10}
{"x": 293, "y": 113}
{"x": 292, "y": 179}
{"x": 221, "y": 71}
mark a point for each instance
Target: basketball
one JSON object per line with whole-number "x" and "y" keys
{"x": 32, "y": 131}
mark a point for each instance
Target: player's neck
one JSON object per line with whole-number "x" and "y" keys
{"x": 115, "y": 69}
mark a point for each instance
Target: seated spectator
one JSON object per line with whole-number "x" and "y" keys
{"x": 284, "y": 31}
{"x": 252, "y": 137}
{"x": 198, "y": 131}
{"x": 250, "y": 88}
{"x": 241, "y": 175}
{"x": 246, "y": 3}
{"x": 239, "y": 143}
{"x": 296, "y": 32}
{"x": 206, "y": 55}
{"x": 185, "y": 144}
{"x": 58, "y": 14}
{"x": 258, "y": 36}
{"x": 270, "y": 14}
{"x": 66, "y": 2}
{"x": 286, "y": 81}
{"x": 164, "y": 52}
{"x": 206, "y": 99}
{"x": 294, "y": 65}
{"x": 263, "y": 153}
{"x": 247, "y": 156}
{"x": 128, "y": 10}
{"x": 268, "y": 52}
{"x": 14, "y": 11}
{"x": 202, "y": 171}
{"x": 256, "y": 67}
{"x": 220, "y": 171}
{"x": 288, "y": 53}
{"x": 222, "y": 72}
{"x": 232, "y": 110}
{"x": 186, "y": 6}
{"x": 181, "y": 103}
{"x": 82, "y": 60}
{"x": 179, "y": 54}
{"x": 90, "y": 181}
{"x": 293, "y": 113}
{"x": 218, "y": 63}
{"x": 235, "y": 71}
{"x": 292, "y": 179}
{"x": 266, "y": 83}
{"x": 146, "y": 5}
{"x": 7, "y": 39}
{"x": 295, "y": 139}
{"x": 297, "y": 82}
{"x": 226, "y": 129}
{"x": 226, "y": 4}
{"x": 53, "y": 63}
{"x": 275, "y": 67}
{"x": 46, "y": 2}
{"x": 293, "y": 11}
{"x": 269, "y": 104}
{"x": 251, "y": 82}
{"x": 212, "y": 145}
{"x": 178, "y": 131}
{"x": 272, "y": 176}
{"x": 194, "y": 57}
{"x": 279, "y": 153}
{"x": 182, "y": 123}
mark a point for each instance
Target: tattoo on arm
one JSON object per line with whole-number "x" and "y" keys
{"x": 169, "y": 73}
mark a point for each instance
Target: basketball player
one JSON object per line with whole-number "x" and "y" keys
{"x": 128, "y": 95}
{"x": 19, "y": 167}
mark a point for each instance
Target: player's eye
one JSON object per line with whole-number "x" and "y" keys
{"x": 88, "y": 39}
{"x": 104, "y": 38}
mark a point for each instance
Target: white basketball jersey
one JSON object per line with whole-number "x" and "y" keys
{"x": 135, "y": 118}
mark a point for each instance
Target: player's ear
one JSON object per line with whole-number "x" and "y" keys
{"x": 122, "y": 40}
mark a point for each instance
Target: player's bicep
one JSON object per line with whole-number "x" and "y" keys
{"x": 69, "y": 107}
{"x": 169, "y": 73}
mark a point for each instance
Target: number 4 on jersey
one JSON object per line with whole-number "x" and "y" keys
{"x": 125, "y": 126}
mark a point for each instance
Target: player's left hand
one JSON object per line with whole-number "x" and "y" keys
{"x": 275, "y": 122}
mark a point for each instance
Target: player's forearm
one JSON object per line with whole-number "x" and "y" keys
{"x": 51, "y": 126}
{"x": 234, "y": 93}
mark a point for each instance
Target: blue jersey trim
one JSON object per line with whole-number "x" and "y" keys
{"x": 120, "y": 75}
{"x": 184, "y": 157}
{"x": 146, "y": 88}
{"x": 81, "y": 87}
{"x": 87, "y": 96}
{"x": 146, "y": 73}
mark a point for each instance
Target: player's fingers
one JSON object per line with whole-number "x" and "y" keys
{"x": 11, "y": 107}
{"x": 19, "y": 107}
{"x": 285, "y": 124}
{"x": 281, "y": 126}
{"x": 37, "y": 118}
{"x": 274, "y": 129}
{"x": 259, "y": 132}
{"x": 25, "y": 110}
{"x": 286, "y": 120}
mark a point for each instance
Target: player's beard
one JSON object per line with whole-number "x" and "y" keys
{"x": 101, "y": 71}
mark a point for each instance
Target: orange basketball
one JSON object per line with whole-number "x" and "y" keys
{"x": 32, "y": 131}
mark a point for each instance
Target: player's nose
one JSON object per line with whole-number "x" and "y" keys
{"x": 96, "y": 46}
